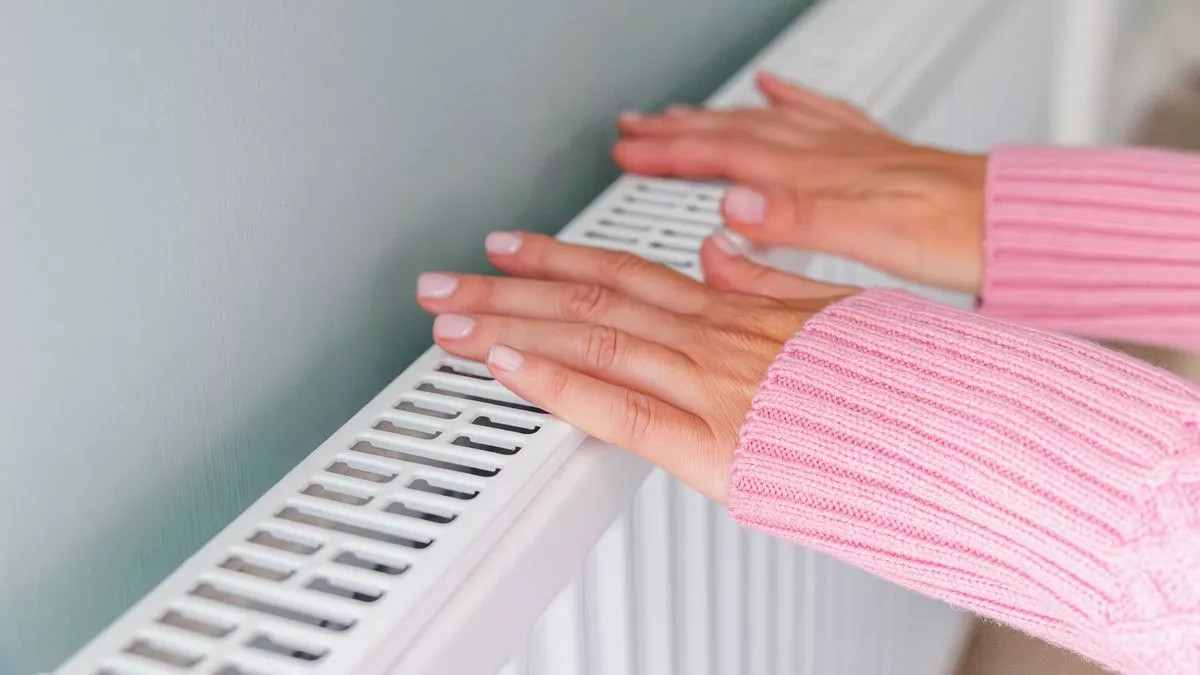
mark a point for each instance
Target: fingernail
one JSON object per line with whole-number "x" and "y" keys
{"x": 504, "y": 243}
{"x": 434, "y": 285}
{"x": 678, "y": 110}
{"x": 745, "y": 204}
{"x": 630, "y": 116}
{"x": 505, "y": 358}
{"x": 452, "y": 326}
{"x": 731, "y": 243}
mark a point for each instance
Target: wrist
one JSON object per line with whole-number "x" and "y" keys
{"x": 959, "y": 181}
{"x": 971, "y": 171}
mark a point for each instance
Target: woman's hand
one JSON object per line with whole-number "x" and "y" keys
{"x": 813, "y": 173}
{"x": 631, "y": 352}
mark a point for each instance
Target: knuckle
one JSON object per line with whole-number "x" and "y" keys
{"x": 484, "y": 293}
{"x": 583, "y": 302}
{"x": 804, "y": 214}
{"x": 601, "y": 347}
{"x": 557, "y": 381}
{"x": 625, "y": 266}
{"x": 639, "y": 416}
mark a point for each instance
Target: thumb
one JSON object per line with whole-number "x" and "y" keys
{"x": 796, "y": 220}
{"x": 726, "y": 268}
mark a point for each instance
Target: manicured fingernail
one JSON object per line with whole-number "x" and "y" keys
{"x": 505, "y": 358}
{"x": 731, "y": 243}
{"x": 746, "y": 205}
{"x": 434, "y": 285}
{"x": 504, "y": 243}
{"x": 452, "y": 326}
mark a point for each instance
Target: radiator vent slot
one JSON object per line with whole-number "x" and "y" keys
{"x": 284, "y": 542}
{"x": 348, "y": 469}
{"x": 609, "y": 222}
{"x": 474, "y": 371}
{"x": 432, "y": 388}
{"x": 428, "y": 409}
{"x": 437, "y": 487}
{"x": 332, "y": 587}
{"x": 498, "y": 447}
{"x": 616, "y": 239}
{"x": 366, "y": 562}
{"x": 333, "y": 494}
{"x": 188, "y": 621}
{"x": 368, "y": 448}
{"x": 254, "y": 569}
{"x": 270, "y": 608}
{"x": 307, "y": 517}
{"x": 421, "y": 512}
{"x": 507, "y": 424}
{"x": 405, "y": 430}
{"x": 172, "y": 656}
{"x": 269, "y": 644}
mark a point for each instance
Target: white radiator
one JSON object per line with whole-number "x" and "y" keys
{"x": 450, "y": 528}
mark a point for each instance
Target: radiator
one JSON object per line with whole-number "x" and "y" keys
{"x": 450, "y": 527}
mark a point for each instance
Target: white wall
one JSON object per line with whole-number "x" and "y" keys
{"x": 211, "y": 216}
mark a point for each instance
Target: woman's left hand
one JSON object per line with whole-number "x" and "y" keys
{"x": 631, "y": 352}
{"x": 813, "y": 173}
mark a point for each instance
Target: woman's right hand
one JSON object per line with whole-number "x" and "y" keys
{"x": 634, "y": 353}
{"x": 813, "y": 173}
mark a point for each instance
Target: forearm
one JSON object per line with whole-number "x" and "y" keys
{"x": 1035, "y": 479}
{"x": 1097, "y": 242}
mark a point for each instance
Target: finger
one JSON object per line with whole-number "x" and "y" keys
{"x": 799, "y": 219}
{"x": 736, "y": 157}
{"x": 676, "y": 121}
{"x": 782, "y": 93}
{"x": 599, "y": 351}
{"x": 768, "y": 126}
{"x": 537, "y": 256}
{"x": 667, "y": 436}
{"x": 724, "y": 155}
{"x": 727, "y": 268}
{"x": 441, "y": 293}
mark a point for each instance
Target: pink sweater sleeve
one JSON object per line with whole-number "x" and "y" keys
{"x": 1098, "y": 242}
{"x": 1032, "y": 478}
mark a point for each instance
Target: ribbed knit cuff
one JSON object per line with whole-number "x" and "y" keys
{"x": 1013, "y": 472}
{"x": 1100, "y": 242}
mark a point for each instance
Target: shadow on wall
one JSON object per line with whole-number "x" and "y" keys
{"x": 214, "y": 215}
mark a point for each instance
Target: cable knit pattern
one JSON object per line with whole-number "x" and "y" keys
{"x": 1032, "y": 478}
{"x": 1103, "y": 243}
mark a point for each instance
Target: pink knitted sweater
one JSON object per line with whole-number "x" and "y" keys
{"x": 1035, "y": 479}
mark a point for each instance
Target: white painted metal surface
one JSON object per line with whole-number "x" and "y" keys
{"x": 447, "y": 527}
{"x": 1085, "y": 64}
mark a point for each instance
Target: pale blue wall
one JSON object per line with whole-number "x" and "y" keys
{"x": 211, "y": 216}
